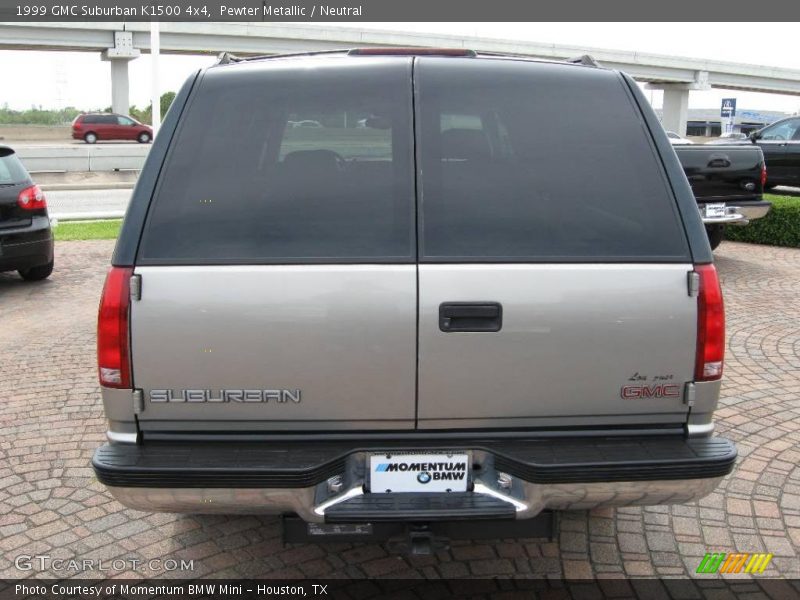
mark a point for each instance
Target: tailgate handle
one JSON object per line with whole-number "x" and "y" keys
{"x": 470, "y": 316}
{"x": 719, "y": 161}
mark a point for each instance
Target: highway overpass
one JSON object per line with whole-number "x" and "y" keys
{"x": 121, "y": 42}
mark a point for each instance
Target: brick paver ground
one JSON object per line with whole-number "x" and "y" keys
{"x": 51, "y": 421}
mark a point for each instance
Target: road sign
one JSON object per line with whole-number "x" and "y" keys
{"x": 728, "y": 108}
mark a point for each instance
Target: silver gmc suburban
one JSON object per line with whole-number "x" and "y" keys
{"x": 410, "y": 292}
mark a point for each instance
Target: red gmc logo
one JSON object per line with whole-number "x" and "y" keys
{"x": 661, "y": 390}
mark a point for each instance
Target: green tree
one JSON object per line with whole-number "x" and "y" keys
{"x": 166, "y": 102}
{"x": 36, "y": 115}
{"x": 143, "y": 115}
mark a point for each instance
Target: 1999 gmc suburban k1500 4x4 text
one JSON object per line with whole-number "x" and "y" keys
{"x": 419, "y": 312}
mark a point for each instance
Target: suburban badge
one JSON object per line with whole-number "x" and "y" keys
{"x": 278, "y": 396}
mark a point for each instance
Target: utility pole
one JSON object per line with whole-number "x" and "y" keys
{"x": 155, "y": 97}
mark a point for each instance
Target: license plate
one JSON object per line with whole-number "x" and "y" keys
{"x": 440, "y": 472}
{"x": 715, "y": 210}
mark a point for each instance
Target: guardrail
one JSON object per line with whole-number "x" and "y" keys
{"x": 83, "y": 158}
{"x": 87, "y": 216}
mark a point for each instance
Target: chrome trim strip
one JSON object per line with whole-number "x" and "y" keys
{"x": 753, "y": 212}
{"x": 726, "y": 220}
{"x": 737, "y": 215}
{"x": 533, "y": 498}
{"x": 391, "y": 436}
{"x": 351, "y": 493}
{"x": 482, "y": 488}
{"x": 122, "y": 438}
{"x": 699, "y": 429}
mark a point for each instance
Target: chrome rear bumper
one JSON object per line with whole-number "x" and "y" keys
{"x": 740, "y": 214}
{"x": 528, "y": 499}
{"x": 522, "y": 499}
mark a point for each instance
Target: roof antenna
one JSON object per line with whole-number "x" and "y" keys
{"x": 585, "y": 60}
{"x": 225, "y": 58}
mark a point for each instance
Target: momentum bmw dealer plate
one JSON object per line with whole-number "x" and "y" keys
{"x": 419, "y": 472}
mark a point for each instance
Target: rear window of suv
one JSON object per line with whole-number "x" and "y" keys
{"x": 272, "y": 163}
{"x": 538, "y": 162}
{"x": 11, "y": 169}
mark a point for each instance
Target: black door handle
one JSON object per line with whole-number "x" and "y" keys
{"x": 719, "y": 161}
{"x": 470, "y": 316}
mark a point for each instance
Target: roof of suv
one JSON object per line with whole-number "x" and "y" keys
{"x": 585, "y": 60}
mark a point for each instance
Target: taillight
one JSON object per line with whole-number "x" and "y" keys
{"x": 32, "y": 198}
{"x": 710, "y": 326}
{"x": 763, "y": 174}
{"x": 113, "y": 358}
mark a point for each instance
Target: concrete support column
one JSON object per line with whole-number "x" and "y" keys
{"x": 675, "y": 110}
{"x": 119, "y": 56}
{"x": 120, "y": 87}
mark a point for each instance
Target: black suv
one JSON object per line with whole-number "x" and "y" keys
{"x": 26, "y": 241}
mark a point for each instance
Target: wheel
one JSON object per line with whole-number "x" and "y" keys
{"x": 144, "y": 137}
{"x": 716, "y": 233}
{"x": 37, "y": 273}
{"x": 90, "y": 138}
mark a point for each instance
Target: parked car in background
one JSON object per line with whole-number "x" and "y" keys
{"x": 780, "y": 143}
{"x": 26, "y": 241}
{"x": 305, "y": 123}
{"x": 732, "y": 137}
{"x": 93, "y": 127}
{"x": 677, "y": 140}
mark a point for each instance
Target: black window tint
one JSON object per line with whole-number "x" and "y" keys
{"x": 529, "y": 161}
{"x": 277, "y": 163}
{"x": 90, "y": 119}
{"x": 108, "y": 120}
{"x": 11, "y": 169}
{"x": 784, "y": 131}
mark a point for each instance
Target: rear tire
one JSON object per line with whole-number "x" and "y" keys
{"x": 716, "y": 233}
{"x": 37, "y": 273}
{"x": 90, "y": 138}
{"x": 143, "y": 138}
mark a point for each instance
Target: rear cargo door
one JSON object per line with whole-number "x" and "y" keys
{"x": 278, "y": 262}
{"x": 553, "y": 265}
